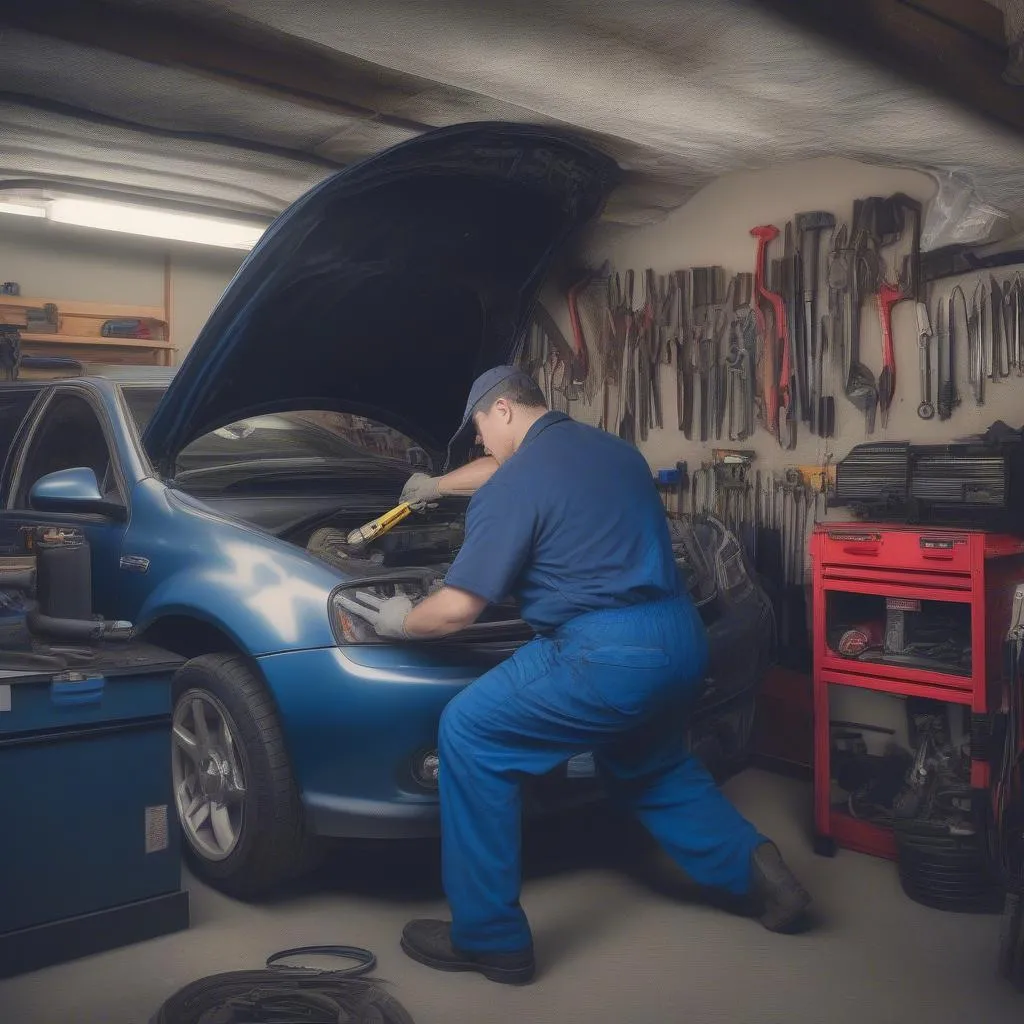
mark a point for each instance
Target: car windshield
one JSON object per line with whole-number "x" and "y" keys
{"x": 270, "y": 452}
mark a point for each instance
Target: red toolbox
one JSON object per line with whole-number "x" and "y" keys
{"x": 866, "y": 577}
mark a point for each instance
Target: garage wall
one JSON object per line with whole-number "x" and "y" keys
{"x": 54, "y": 261}
{"x": 714, "y": 228}
{"x": 197, "y": 280}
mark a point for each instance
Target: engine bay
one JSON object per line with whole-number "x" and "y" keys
{"x": 423, "y": 541}
{"x": 707, "y": 555}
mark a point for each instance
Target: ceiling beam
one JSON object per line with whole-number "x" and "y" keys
{"x": 243, "y": 54}
{"x": 940, "y": 44}
{"x": 975, "y": 17}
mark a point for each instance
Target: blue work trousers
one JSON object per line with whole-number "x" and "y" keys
{"x": 618, "y": 683}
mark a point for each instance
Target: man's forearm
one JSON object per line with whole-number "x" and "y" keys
{"x": 467, "y": 479}
{"x": 447, "y": 611}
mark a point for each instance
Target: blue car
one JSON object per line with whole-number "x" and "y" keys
{"x": 218, "y": 499}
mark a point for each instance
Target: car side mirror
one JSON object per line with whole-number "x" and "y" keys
{"x": 73, "y": 490}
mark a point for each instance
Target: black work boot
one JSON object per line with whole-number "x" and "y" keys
{"x": 430, "y": 943}
{"x": 780, "y": 899}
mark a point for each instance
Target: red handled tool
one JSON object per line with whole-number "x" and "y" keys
{"x": 581, "y": 367}
{"x": 888, "y": 296}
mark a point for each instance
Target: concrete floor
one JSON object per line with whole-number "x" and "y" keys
{"x": 616, "y": 941}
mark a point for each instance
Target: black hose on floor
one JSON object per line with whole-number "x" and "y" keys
{"x": 364, "y": 960}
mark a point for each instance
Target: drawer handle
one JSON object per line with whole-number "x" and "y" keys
{"x": 860, "y": 549}
{"x": 937, "y": 556}
{"x": 76, "y": 692}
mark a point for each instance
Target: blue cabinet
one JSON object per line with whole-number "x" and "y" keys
{"x": 89, "y": 843}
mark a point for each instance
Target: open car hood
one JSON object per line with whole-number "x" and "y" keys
{"x": 386, "y": 289}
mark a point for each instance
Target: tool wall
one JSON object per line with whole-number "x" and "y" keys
{"x": 749, "y": 342}
{"x": 824, "y": 328}
{"x": 779, "y": 348}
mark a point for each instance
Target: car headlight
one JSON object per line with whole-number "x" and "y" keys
{"x": 499, "y": 623}
{"x": 350, "y": 628}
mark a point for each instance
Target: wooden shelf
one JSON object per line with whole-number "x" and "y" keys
{"x": 96, "y": 310}
{"x": 71, "y": 339}
{"x": 79, "y": 325}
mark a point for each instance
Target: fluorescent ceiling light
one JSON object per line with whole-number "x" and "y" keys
{"x": 22, "y": 209}
{"x": 153, "y": 223}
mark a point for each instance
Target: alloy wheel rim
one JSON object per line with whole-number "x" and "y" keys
{"x": 208, "y": 774}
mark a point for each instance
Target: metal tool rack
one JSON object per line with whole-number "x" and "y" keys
{"x": 965, "y": 567}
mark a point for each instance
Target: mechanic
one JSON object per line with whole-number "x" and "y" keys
{"x": 566, "y": 518}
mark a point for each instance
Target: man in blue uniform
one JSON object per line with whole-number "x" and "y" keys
{"x": 567, "y": 519}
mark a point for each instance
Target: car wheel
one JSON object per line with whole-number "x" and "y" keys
{"x": 237, "y": 800}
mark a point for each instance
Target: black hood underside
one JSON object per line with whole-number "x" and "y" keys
{"x": 390, "y": 286}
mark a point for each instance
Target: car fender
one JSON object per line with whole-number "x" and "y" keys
{"x": 265, "y": 594}
{"x": 268, "y": 612}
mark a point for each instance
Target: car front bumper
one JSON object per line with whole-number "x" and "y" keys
{"x": 355, "y": 721}
{"x": 356, "y": 718}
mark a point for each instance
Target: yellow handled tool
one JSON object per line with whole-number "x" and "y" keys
{"x": 379, "y": 526}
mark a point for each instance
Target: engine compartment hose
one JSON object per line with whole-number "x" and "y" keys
{"x": 78, "y": 630}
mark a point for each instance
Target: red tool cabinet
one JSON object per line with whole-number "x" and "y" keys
{"x": 969, "y": 576}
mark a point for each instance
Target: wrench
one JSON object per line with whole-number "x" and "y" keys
{"x": 1013, "y": 298}
{"x": 975, "y": 346}
{"x": 995, "y": 370}
{"x": 1006, "y": 356}
{"x": 739, "y": 371}
{"x": 705, "y": 362}
{"x": 949, "y": 396}
{"x": 776, "y": 340}
{"x": 924, "y": 335}
{"x": 943, "y": 345}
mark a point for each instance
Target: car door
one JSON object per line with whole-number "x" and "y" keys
{"x": 70, "y": 429}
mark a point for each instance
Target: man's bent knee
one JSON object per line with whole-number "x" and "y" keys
{"x": 457, "y": 723}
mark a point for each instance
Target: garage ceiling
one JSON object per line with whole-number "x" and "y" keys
{"x": 241, "y": 105}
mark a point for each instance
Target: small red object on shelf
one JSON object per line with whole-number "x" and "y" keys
{"x": 967, "y": 575}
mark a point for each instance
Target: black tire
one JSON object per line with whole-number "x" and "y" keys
{"x": 273, "y": 843}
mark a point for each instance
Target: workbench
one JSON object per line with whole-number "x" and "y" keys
{"x": 89, "y": 841}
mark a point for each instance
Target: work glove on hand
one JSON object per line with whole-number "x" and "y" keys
{"x": 421, "y": 488}
{"x": 387, "y": 616}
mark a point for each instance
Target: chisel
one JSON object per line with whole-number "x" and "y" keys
{"x": 826, "y": 411}
{"x": 949, "y": 397}
{"x": 943, "y": 350}
{"x": 996, "y": 298}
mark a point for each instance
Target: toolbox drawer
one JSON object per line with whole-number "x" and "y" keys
{"x": 894, "y": 678}
{"x": 865, "y": 545}
{"x": 31, "y": 704}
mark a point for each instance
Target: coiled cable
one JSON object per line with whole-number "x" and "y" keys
{"x": 288, "y": 995}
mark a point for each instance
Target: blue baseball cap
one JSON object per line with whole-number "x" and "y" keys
{"x": 488, "y": 382}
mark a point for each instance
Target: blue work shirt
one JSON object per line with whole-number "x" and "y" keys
{"x": 572, "y": 523}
